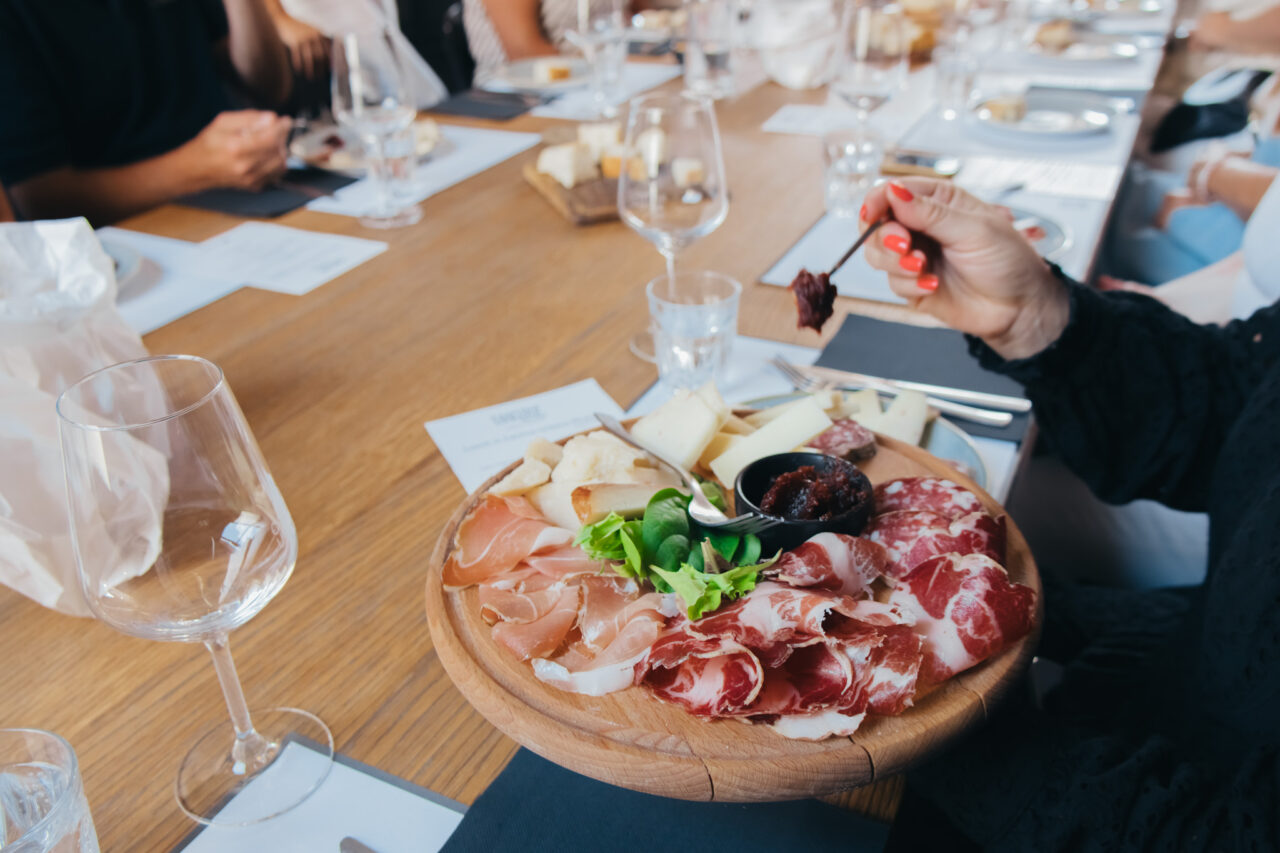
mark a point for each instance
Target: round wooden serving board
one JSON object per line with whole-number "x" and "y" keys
{"x": 632, "y": 739}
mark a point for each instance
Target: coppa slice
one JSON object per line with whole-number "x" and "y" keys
{"x": 913, "y": 536}
{"x": 498, "y": 534}
{"x": 833, "y": 561}
{"x": 707, "y": 676}
{"x": 926, "y": 493}
{"x": 773, "y": 618}
{"x": 966, "y": 609}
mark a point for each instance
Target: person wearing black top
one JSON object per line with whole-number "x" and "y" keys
{"x": 109, "y": 107}
{"x": 1165, "y": 731}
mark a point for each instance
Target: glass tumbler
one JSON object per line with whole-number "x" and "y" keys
{"x": 43, "y": 808}
{"x": 695, "y": 318}
{"x": 852, "y": 164}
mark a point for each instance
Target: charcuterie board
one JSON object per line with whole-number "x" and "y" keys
{"x": 586, "y": 204}
{"x": 632, "y": 740}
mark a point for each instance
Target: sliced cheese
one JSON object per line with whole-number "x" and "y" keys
{"x": 530, "y": 474}
{"x": 593, "y": 502}
{"x": 555, "y": 501}
{"x": 599, "y": 457}
{"x": 544, "y": 451}
{"x": 718, "y": 445}
{"x": 680, "y": 428}
{"x": 824, "y": 399}
{"x": 904, "y": 419}
{"x": 737, "y": 426}
{"x": 802, "y": 421}
{"x": 600, "y": 137}
{"x": 864, "y": 402}
{"x": 711, "y": 396}
{"x": 569, "y": 164}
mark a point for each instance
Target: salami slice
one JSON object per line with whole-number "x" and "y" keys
{"x": 926, "y": 493}
{"x": 913, "y": 536}
{"x": 847, "y": 439}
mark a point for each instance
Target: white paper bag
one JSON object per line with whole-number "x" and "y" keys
{"x": 58, "y": 322}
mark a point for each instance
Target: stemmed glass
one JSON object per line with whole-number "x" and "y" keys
{"x": 180, "y": 534}
{"x": 370, "y": 98}
{"x": 876, "y": 62}
{"x": 672, "y": 191}
{"x": 601, "y": 35}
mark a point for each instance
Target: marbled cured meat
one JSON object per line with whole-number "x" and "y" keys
{"x": 926, "y": 493}
{"x": 835, "y": 562}
{"x": 707, "y": 676}
{"x": 966, "y": 609}
{"x": 495, "y": 537}
{"x": 847, "y": 439}
{"x": 912, "y": 536}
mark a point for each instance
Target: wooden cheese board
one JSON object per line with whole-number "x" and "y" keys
{"x": 586, "y": 204}
{"x": 633, "y": 740}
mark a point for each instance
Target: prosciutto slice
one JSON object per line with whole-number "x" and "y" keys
{"x": 934, "y": 494}
{"x": 594, "y": 673}
{"x": 966, "y": 609}
{"x": 564, "y": 562}
{"x": 498, "y": 534}
{"x": 833, "y": 561}
{"x": 544, "y": 634}
{"x": 912, "y": 536}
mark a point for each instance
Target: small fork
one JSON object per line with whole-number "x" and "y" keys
{"x": 808, "y": 382}
{"x": 701, "y": 510}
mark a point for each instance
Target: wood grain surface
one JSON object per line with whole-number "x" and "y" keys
{"x": 631, "y": 739}
{"x": 490, "y": 297}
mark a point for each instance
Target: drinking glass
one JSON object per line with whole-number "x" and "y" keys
{"x": 42, "y": 803}
{"x": 370, "y": 98}
{"x": 695, "y": 318}
{"x": 708, "y": 53}
{"x": 956, "y": 68}
{"x": 672, "y": 192}
{"x": 875, "y": 64}
{"x": 601, "y": 35}
{"x": 180, "y": 534}
{"x": 852, "y": 160}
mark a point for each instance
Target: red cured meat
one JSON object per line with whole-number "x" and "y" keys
{"x": 926, "y": 493}
{"x": 847, "y": 439}
{"x": 709, "y": 677}
{"x": 814, "y": 677}
{"x": 495, "y": 537}
{"x": 543, "y": 635}
{"x": 966, "y": 609}
{"x": 835, "y": 562}
{"x": 913, "y": 536}
{"x": 771, "y": 615}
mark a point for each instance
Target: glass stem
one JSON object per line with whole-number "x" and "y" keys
{"x": 670, "y": 255}
{"x": 251, "y": 751}
{"x": 382, "y": 178}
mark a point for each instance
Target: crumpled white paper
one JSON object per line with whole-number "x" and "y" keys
{"x": 58, "y": 322}
{"x": 336, "y": 17}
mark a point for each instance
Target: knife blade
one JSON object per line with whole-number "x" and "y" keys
{"x": 960, "y": 395}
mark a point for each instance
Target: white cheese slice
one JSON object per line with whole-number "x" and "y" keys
{"x": 593, "y": 502}
{"x": 544, "y": 451}
{"x": 904, "y": 419}
{"x": 803, "y": 420}
{"x": 569, "y": 164}
{"x": 856, "y": 403}
{"x": 600, "y": 137}
{"x": 824, "y": 399}
{"x": 680, "y": 428}
{"x": 530, "y": 474}
{"x": 718, "y": 445}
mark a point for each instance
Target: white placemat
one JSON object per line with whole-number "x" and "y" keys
{"x": 579, "y": 105}
{"x": 466, "y": 151}
{"x": 283, "y": 259}
{"x": 964, "y": 136}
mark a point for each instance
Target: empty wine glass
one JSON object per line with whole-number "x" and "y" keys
{"x": 672, "y": 191}
{"x": 875, "y": 65}
{"x": 601, "y": 36}
{"x": 370, "y": 98}
{"x": 180, "y": 534}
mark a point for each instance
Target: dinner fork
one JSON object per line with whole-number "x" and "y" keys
{"x": 701, "y": 509}
{"x": 809, "y": 382}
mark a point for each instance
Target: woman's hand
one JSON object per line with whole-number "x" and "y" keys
{"x": 959, "y": 259}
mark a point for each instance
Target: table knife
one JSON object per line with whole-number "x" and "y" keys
{"x": 960, "y": 395}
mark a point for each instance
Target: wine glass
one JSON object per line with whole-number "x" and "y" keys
{"x": 180, "y": 534}
{"x": 672, "y": 190}
{"x": 370, "y": 98}
{"x": 601, "y": 35}
{"x": 876, "y": 62}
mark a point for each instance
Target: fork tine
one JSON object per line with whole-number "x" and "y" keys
{"x": 798, "y": 380}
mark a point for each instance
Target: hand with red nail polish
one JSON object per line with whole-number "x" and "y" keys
{"x": 959, "y": 259}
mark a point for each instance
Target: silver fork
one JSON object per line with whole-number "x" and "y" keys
{"x": 701, "y": 510}
{"x": 808, "y": 382}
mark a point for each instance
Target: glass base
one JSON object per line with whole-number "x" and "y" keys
{"x": 212, "y": 778}
{"x": 410, "y": 215}
{"x": 641, "y": 345}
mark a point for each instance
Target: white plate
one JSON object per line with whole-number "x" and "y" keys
{"x": 519, "y": 76}
{"x": 1055, "y": 241}
{"x": 127, "y": 261}
{"x": 338, "y": 149}
{"x": 1050, "y": 115}
{"x": 1095, "y": 49}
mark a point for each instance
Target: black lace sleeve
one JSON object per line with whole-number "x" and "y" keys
{"x": 1138, "y": 399}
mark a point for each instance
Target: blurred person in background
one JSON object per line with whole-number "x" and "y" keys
{"x": 502, "y": 31}
{"x": 110, "y": 107}
{"x": 6, "y": 212}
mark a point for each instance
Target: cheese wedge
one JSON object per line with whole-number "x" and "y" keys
{"x": 569, "y": 164}
{"x": 549, "y": 69}
{"x": 544, "y": 451}
{"x": 824, "y": 399}
{"x": 680, "y": 428}
{"x": 717, "y": 446}
{"x": 904, "y": 420}
{"x": 687, "y": 171}
{"x": 530, "y": 474}
{"x": 803, "y": 420}
{"x": 593, "y": 502}
{"x": 600, "y": 137}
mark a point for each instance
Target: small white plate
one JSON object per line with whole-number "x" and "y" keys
{"x": 127, "y": 261}
{"x": 1049, "y": 115}
{"x": 1055, "y": 239}
{"x": 519, "y": 76}
{"x": 338, "y": 149}
{"x": 1088, "y": 50}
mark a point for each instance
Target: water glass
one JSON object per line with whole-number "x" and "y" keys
{"x": 957, "y": 78}
{"x": 875, "y": 65}
{"x": 695, "y": 318}
{"x": 42, "y": 803}
{"x": 708, "y": 54}
{"x": 397, "y": 168}
{"x": 852, "y": 159}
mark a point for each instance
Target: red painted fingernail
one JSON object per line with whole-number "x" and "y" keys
{"x": 896, "y": 243}
{"x": 901, "y": 192}
{"x": 911, "y": 263}
{"x": 862, "y": 214}
{"x": 927, "y": 282}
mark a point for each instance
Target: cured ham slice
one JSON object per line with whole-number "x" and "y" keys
{"x": 913, "y": 536}
{"x": 833, "y": 561}
{"x": 495, "y": 537}
{"x": 521, "y": 596}
{"x": 543, "y": 635}
{"x": 613, "y": 668}
{"x": 934, "y": 494}
{"x": 609, "y": 604}
{"x": 813, "y": 677}
{"x": 708, "y": 677}
{"x": 966, "y": 609}
{"x": 772, "y": 618}
{"x": 819, "y": 725}
{"x": 564, "y": 562}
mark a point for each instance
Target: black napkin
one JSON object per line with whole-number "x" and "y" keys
{"x": 936, "y": 356}
{"x": 536, "y": 805}
{"x": 478, "y": 103}
{"x": 273, "y": 200}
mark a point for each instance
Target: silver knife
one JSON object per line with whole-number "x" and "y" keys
{"x": 960, "y": 395}
{"x": 350, "y": 845}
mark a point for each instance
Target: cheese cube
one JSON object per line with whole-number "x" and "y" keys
{"x": 802, "y": 421}
{"x": 544, "y": 451}
{"x": 529, "y": 475}
{"x": 680, "y": 428}
{"x": 569, "y": 164}
{"x": 687, "y": 171}
{"x": 599, "y": 457}
{"x": 654, "y": 149}
{"x": 600, "y": 137}
{"x": 549, "y": 69}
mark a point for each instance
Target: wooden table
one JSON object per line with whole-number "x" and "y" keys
{"x": 491, "y": 297}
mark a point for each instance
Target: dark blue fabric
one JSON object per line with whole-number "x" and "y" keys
{"x": 537, "y": 805}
